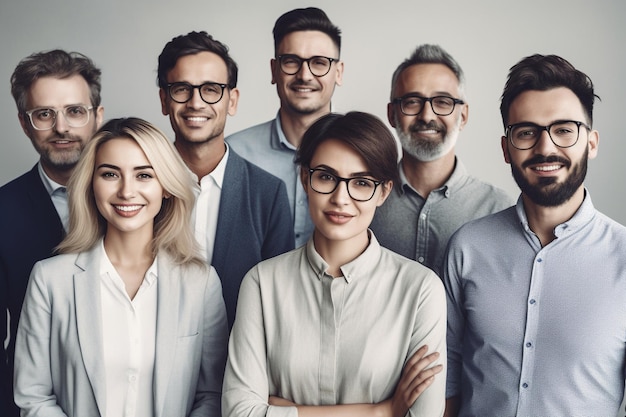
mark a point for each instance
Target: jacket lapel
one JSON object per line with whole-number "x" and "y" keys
{"x": 168, "y": 297}
{"x": 89, "y": 321}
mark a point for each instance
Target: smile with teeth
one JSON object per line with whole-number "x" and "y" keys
{"x": 128, "y": 208}
{"x": 196, "y": 118}
{"x": 547, "y": 168}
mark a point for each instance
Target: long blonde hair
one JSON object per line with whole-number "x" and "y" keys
{"x": 172, "y": 226}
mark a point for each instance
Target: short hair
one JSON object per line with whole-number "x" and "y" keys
{"x": 191, "y": 44}
{"x": 363, "y": 132}
{"x": 545, "y": 72}
{"x": 172, "y": 225}
{"x": 55, "y": 63}
{"x": 310, "y": 18}
{"x": 430, "y": 54}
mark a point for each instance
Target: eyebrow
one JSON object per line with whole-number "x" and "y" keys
{"x": 115, "y": 167}
{"x": 352, "y": 175}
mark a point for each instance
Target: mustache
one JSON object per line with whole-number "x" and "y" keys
{"x": 542, "y": 159}
{"x": 420, "y": 125}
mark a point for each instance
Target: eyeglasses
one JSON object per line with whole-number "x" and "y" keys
{"x": 359, "y": 188}
{"x": 412, "y": 105}
{"x": 210, "y": 92}
{"x": 46, "y": 119}
{"x": 563, "y": 133}
{"x": 318, "y": 65}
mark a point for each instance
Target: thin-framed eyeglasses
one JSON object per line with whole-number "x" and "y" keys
{"x": 563, "y": 133}
{"x": 412, "y": 104}
{"x": 46, "y": 118}
{"x": 210, "y": 92}
{"x": 359, "y": 188}
{"x": 319, "y": 66}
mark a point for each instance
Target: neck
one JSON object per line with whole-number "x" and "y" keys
{"x": 428, "y": 176}
{"x": 337, "y": 253}
{"x": 201, "y": 158}
{"x": 543, "y": 220}
{"x": 129, "y": 247}
{"x": 295, "y": 124}
{"x": 57, "y": 175}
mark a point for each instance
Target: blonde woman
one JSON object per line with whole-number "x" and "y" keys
{"x": 127, "y": 320}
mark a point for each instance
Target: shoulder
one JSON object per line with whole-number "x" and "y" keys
{"x": 21, "y": 184}
{"x": 253, "y": 173}
{"x": 487, "y": 227}
{"x": 272, "y": 268}
{"x": 251, "y": 133}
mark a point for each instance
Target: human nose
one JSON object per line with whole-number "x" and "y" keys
{"x": 341, "y": 195}
{"x": 427, "y": 113}
{"x": 544, "y": 145}
{"x": 195, "y": 101}
{"x": 304, "y": 72}
{"x": 126, "y": 188}
{"x": 60, "y": 123}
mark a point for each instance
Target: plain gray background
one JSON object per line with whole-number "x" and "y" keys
{"x": 487, "y": 37}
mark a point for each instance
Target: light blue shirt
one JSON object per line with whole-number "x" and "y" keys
{"x": 266, "y": 146}
{"x": 532, "y": 330}
{"x": 58, "y": 195}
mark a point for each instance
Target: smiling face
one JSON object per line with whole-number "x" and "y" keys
{"x": 61, "y": 146}
{"x": 336, "y": 216}
{"x": 427, "y": 136}
{"x": 304, "y": 93}
{"x": 128, "y": 195}
{"x": 196, "y": 122}
{"x": 548, "y": 175}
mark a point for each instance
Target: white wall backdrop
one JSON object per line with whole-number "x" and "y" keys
{"x": 487, "y": 37}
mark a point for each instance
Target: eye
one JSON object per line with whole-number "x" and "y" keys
{"x": 145, "y": 176}
{"x": 108, "y": 174}
{"x": 76, "y": 111}
{"x": 290, "y": 60}
{"x": 180, "y": 88}
{"x": 442, "y": 101}
{"x": 412, "y": 102}
{"x": 362, "y": 182}
{"x": 44, "y": 114}
{"x": 211, "y": 89}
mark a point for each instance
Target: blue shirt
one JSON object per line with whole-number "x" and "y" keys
{"x": 266, "y": 146}
{"x": 537, "y": 331}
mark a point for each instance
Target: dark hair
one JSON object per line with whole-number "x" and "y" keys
{"x": 430, "y": 54}
{"x": 310, "y": 18}
{"x": 364, "y": 133}
{"x": 55, "y": 63}
{"x": 539, "y": 72}
{"x": 190, "y": 44}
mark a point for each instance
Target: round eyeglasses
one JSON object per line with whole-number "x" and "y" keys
{"x": 359, "y": 188}
{"x": 318, "y": 65}
{"x": 563, "y": 133}
{"x": 412, "y": 105}
{"x": 46, "y": 118}
{"x": 210, "y": 93}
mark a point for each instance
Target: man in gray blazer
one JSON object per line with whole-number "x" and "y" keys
{"x": 58, "y": 105}
{"x": 242, "y": 213}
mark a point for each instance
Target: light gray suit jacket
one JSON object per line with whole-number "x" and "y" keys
{"x": 59, "y": 369}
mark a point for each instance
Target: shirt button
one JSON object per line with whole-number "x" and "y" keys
{"x": 423, "y": 216}
{"x": 539, "y": 260}
{"x": 420, "y": 259}
{"x": 532, "y": 301}
{"x": 524, "y": 385}
{"x": 528, "y": 344}
{"x": 132, "y": 378}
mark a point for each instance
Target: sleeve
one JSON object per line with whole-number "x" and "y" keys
{"x": 456, "y": 319}
{"x": 280, "y": 236}
{"x": 246, "y": 385}
{"x": 430, "y": 329}
{"x": 6, "y": 381}
{"x": 207, "y": 401}
{"x": 33, "y": 379}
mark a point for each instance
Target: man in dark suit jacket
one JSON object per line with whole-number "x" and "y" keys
{"x": 242, "y": 214}
{"x": 58, "y": 101}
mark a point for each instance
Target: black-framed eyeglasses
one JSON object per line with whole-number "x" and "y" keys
{"x": 210, "y": 93}
{"x": 46, "y": 118}
{"x": 359, "y": 188}
{"x": 319, "y": 66}
{"x": 563, "y": 133}
{"x": 412, "y": 104}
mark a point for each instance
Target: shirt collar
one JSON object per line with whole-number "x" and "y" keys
{"x": 453, "y": 183}
{"x": 583, "y": 215}
{"x": 50, "y": 185}
{"x": 363, "y": 265}
{"x": 217, "y": 175}
{"x": 281, "y": 140}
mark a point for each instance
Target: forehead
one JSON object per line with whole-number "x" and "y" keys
{"x": 58, "y": 92}
{"x": 545, "y": 107}
{"x": 427, "y": 80}
{"x": 123, "y": 150}
{"x": 308, "y": 43}
{"x": 199, "y": 68}
{"x": 338, "y": 156}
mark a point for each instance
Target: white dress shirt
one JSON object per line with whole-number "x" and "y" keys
{"x": 129, "y": 335}
{"x": 58, "y": 195}
{"x": 208, "y": 206}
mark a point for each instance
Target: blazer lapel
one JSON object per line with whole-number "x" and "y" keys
{"x": 89, "y": 321}
{"x": 168, "y": 298}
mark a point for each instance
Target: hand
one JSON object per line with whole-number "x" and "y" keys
{"x": 414, "y": 380}
{"x": 281, "y": 402}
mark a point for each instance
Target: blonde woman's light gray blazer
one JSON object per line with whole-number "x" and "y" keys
{"x": 59, "y": 369}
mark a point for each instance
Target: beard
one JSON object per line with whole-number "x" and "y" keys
{"x": 426, "y": 150}
{"x": 547, "y": 192}
{"x": 62, "y": 160}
